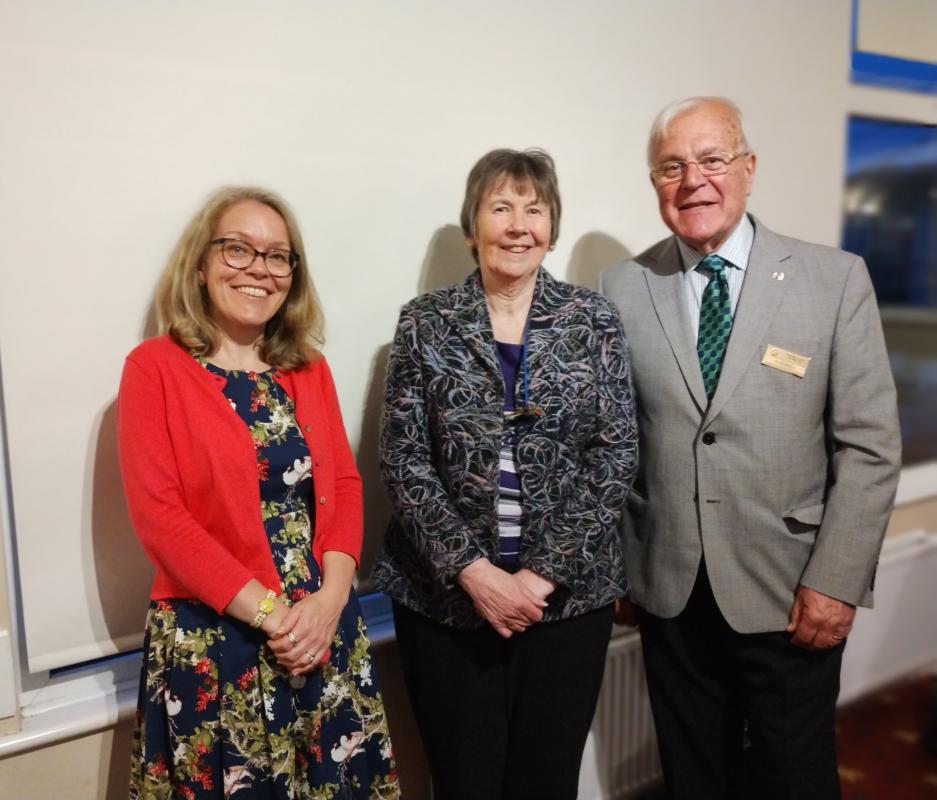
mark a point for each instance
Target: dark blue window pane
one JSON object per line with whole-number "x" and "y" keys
{"x": 891, "y": 220}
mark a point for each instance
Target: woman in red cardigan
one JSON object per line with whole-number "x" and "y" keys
{"x": 243, "y": 490}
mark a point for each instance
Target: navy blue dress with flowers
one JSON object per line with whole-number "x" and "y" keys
{"x": 217, "y": 716}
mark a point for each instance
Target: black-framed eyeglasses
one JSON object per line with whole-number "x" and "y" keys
{"x": 240, "y": 255}
{"x": 713, "y": 164}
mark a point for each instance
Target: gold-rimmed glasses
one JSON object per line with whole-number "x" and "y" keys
{"x": 712, "y": 164}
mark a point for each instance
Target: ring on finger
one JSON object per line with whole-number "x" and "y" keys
{"x": 292, "y": 638}
{"x": 836, "y": 638}
{"x": 311, "y": 657}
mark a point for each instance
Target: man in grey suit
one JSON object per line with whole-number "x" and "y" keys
{"x": 770, "y": 454}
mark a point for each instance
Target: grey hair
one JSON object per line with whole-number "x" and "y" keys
{"x": 665, "y": 117}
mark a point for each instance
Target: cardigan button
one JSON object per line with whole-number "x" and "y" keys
{"x": 322, "y": 500}
{"x": 307, "y": 428}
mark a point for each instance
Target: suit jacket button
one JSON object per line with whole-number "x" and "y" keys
{"x": 709, "y": 437}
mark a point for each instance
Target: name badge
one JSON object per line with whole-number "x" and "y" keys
{"x": 785, "y": 360}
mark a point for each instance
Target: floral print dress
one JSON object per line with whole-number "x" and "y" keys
{"x": 217, "y": 716}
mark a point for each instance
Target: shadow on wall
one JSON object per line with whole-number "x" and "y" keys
{"x": 448, "y": 261}
{"x": 594, "y": 252}
{"x": 409, "y": 755}
{"x": 119, "y": 567}
{"x": 118, "y": 768}
{"x": 150, "y": 322}
{"x": 376, "y": 504}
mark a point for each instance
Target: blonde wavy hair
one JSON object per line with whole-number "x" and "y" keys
{"x": 292, "y": 338}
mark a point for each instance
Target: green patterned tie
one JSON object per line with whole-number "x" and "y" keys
{"x": 715, "y": 322}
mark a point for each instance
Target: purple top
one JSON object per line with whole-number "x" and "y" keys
{"x": 510, "y": 508}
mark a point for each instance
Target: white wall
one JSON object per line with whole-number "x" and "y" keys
{"x": 900, "y": 28}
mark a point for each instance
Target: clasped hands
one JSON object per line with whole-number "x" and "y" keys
{"x": 300, "y": 635}
{"x": 510, "y": 603}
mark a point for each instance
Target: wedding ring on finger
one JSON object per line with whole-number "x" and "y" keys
{"x": 836, "y": 638}
{"x": 311, "y": 657}
{"x": 292, "y": 638}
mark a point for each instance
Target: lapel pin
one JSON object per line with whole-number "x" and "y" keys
{"x": 778, "y": 276}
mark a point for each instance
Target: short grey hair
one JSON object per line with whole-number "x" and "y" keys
{"x": 662, "y": 122}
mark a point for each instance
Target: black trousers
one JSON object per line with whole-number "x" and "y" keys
{"x": 504, "y": 718}
{"x": 739, "y": 715}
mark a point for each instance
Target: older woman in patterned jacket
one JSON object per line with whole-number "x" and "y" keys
{"x": 508, "y": 447}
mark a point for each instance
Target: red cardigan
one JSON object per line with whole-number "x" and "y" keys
{"x": 190, "y": 473}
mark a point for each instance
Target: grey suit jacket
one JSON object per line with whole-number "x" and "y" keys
{"x": 781, "y": 480}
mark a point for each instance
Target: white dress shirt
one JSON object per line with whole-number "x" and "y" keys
{"x": 735, "y": 250}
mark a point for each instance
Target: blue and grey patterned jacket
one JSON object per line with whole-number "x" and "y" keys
{"x": 442, "y": 435}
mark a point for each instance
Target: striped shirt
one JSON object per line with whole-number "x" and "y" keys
{"x": 736, "y": 250}
{"x": 510, "y": 506}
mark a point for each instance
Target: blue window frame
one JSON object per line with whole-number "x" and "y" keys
{"x": 892, "y": 72}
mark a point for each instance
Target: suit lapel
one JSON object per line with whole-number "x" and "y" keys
{"x": 543, "y": 330}
{"x": 760, "y": 299}
{"x": 466, "y": 310}
{"x": 665, "y": 283}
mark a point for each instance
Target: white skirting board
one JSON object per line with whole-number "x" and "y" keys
{"x": 899, "y": 636}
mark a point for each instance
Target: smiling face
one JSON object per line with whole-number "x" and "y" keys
{"x": 704, "y": 210}
{"x": 242, "y": 302}
{"x": 512, "y": 233}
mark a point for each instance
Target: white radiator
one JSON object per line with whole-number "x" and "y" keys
{"x": 899, "y": 636}
{"x": 620, "y": 760}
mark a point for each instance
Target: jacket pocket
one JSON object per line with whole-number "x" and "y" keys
{"x": 804, "y": 519}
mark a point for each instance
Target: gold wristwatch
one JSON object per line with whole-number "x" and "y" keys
{"x": 264, "y": 607}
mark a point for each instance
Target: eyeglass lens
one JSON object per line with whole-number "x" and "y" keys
{"x": 240, "y": 255}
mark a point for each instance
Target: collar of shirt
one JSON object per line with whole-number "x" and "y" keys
{"x": 736, "y": 249}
